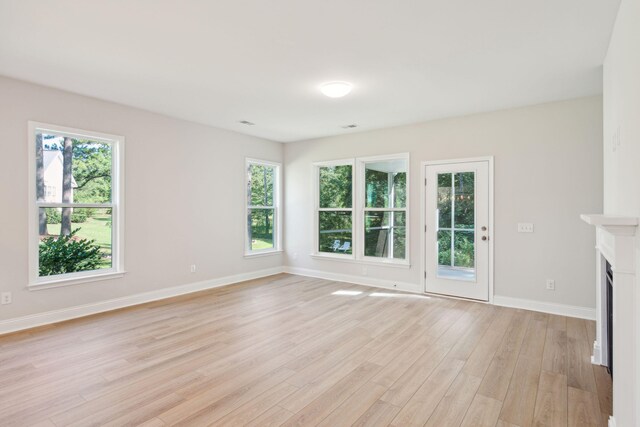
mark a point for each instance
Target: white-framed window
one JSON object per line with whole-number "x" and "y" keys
{"x": 383, "y": 208}
{"x": 76, "y": 225}
{"x": 362, "y": 209}
{"x": 334, "y": 201}
{"x": 263, "y": 233}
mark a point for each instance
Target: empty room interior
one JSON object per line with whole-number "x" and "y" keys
{"x": 336, "y": 213}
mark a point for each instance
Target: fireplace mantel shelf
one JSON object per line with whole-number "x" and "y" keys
{"x": 614, "y": 224}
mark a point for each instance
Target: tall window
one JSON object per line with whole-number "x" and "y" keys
{"x": 263, "y": 203}
{"x": 334, "y": 208}
{"x": 378, "y": 193}
{"x": 76, "y": 191}
{"x": 384, "y": 208}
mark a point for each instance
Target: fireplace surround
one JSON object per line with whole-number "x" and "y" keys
{"x": 616, "y": 245}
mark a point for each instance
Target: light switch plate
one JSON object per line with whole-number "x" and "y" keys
{"x": 525, "y": 227}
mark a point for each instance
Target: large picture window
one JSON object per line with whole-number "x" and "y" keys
{"x": 263, "y": 202}
{"x": 378, "y": 232}
{"x": 76, "y": 189}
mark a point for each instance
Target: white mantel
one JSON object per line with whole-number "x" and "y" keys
{"x": 616, "y": 243}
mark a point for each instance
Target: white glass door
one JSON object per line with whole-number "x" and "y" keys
{"x": 457, "y": 234}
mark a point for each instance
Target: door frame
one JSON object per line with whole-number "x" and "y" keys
{"x": 423, "y": 219}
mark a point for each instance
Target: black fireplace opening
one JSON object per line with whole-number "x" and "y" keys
{"x": 609, "y": 288}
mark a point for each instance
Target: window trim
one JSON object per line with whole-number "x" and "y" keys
{"x": 317, "y": 209}
{"x": 277, "y": 208}
{"x": 357, "y": 211}
{"x": 117, "y": 205}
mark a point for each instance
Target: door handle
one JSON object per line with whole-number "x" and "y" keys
{"x": 485, "y": 238}
{"x": 484, "y": 228}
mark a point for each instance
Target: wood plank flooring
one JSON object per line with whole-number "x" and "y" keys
{"x": 290, "y": 350}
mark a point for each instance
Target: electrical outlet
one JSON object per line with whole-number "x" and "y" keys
{"x": 551, "y": 285}
{"x": 193, "y": 268}
{"x": 5, "y": 298}
{"x": 525, "y": 227}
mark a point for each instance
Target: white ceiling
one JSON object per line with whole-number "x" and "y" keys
{"x": 221, "y": 61}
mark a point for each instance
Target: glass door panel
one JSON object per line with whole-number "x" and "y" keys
{"x": 456, "y": 226}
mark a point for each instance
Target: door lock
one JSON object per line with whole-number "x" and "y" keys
{"x": 485, "y": 238}
{"x": 484, "y": 228}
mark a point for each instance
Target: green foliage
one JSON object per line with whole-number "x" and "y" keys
{"x": 335, "y": 186}
{"x": 377, "y": 189}
{"x": 53, "y": 216}
{"x": 378, "y": 231}
{"x": 456, "y": 208}
{"x": 444, "y": 247}
{"x": 335, "y": 192}
{"x": 380, "y": 186}
{"x": 261, "y": 193}
{"x": 464, "y": 190}
{"x": 92, "y": 171}
{"x": 377, "y": 184}
{"x": 68, "y": 254}
{"x": 459, "y": 195}
{"x": 334, "y": 225}
{"x": 261, "y": 227}
{"x": 261, "y": 185}
{"x": 463, "y": 248}
{"x": 79, "y": 215}
{"x": 400, "y": 190}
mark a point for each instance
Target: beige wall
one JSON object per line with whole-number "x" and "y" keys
{"x": 622, "y": 190}
{"x": 548, "y": 170}
{"x": 184, "y": 197}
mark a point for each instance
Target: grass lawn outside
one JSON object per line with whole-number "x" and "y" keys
{"x": 261, "y": 243}
{"x": 96, "y": 228}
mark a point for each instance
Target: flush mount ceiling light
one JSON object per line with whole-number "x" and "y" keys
{"x": 336, "y": 89}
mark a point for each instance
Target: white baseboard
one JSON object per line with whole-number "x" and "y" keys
{"x": 358, "y": 280}
{"x": 546, "y": 307}
{"x": 46, "y": 318}
{"x": 40, "y": 319}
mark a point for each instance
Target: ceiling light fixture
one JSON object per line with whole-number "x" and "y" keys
{"x": 336, "y": 89}
{"x": 246, "y": 122}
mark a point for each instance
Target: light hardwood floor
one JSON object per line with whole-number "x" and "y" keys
{"x": 290, "y": 350}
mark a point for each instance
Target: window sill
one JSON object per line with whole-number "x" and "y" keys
{"x": 263, "y": 253}
{"x": 352, "y": 259}
{"x": 70, "y": 281}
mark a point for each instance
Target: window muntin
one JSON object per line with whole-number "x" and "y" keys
{"x": 362, "y": 209}
{"x": 335, "y": 209}
{"x": 263, "y": 218}
{"x": 385, "y": 208}
{"x": 75, "y": 187}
